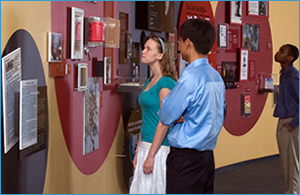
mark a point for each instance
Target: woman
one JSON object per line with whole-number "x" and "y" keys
{"x": 153, "y": 147}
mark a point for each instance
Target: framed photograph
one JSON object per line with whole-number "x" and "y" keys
{"x": 54, "y": 47}
{"x": 222, "y": 35}
{"x": 128, "y": 45}
{"x": 91, "y": 116}
{"x": 235, "y": 12}
{"x": 251, "y": 35}
{"x": 229, "y": 75}
{"x": 258, "y": 8}
{"x": 244, "y": 61}
{"x": 245, "y": 105}
{"x": 112, "y": 33}
{"x": 77, "y": 25}
{"x": 125, "y": 38}
{"x": 263, "y": 7}
{"x": 107, "y": 70}
{"x": 81, "y": 76}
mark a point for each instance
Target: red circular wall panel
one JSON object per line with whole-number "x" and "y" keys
{"x": 71, "y": 103}
{"x": 258, "y": 62}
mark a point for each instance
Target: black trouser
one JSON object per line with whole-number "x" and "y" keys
{"x": 190, "y": 171}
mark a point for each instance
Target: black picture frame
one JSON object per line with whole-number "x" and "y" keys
{"x": 229, "y": 74}
{"x": 222, "y": 35}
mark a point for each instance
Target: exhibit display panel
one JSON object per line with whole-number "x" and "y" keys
{"x": 29, "y": 160}
{"x": 243, "y": 61}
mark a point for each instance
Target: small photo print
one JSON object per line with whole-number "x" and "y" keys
{"x": 251, "y": 37}
{"x": 263, "y": 8}
{"x": 222, "y": 35}
{"x": 107, "y": 70}
{"x": 54, "y": 47}
{"x": 229, "y": 72}
{"x": 258, "y": 8}
{"x": 236, "y": 12}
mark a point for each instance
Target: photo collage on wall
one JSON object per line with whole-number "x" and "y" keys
{"x": 240, "y": 37}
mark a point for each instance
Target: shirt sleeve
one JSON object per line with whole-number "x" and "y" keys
{"x": 294, "y": 87}
{"x": 174, "y": 104}
{"x": 166, "y": 82}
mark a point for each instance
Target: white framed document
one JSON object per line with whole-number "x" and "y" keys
{"x": 11, "y": 77}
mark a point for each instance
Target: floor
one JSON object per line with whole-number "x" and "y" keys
{"x": 259, "y": 176}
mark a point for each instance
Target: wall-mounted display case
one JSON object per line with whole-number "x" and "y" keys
{"x": 76, "y": 30}
{"x": 81, "y": 76}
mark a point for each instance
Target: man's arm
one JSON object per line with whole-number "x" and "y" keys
{"x": 174, "y": 105}
{"x": 294, "y": 87}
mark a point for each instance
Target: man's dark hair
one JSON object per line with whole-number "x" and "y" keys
{"x": 201, "y": 32}
{"x": 293, "y": 51}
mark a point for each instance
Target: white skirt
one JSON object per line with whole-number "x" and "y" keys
{"x": 154, "y": 183}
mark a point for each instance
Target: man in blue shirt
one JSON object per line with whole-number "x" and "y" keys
{"x": 287, "y": 109}
{"x": 198, "y": 97}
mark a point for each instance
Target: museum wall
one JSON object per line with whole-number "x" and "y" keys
{"x": 68, "y": 170}
{"x": 260, "y": 141}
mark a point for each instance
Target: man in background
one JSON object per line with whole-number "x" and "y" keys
{"x": 287, "y": 110}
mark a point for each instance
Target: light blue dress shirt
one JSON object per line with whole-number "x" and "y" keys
{"x": 199, "y": 96}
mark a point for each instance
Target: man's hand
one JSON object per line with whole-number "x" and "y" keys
{"x": 288, "y": 127}
{"x": 180, "y": 120}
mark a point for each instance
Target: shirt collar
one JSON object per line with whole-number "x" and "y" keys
{"x": 198, "y": 62}
{"x": 288, "y": 69}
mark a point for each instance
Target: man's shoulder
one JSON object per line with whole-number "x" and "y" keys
{"x": 293, "y": 73}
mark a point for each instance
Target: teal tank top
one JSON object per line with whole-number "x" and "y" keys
{"x": 150, "y": 104}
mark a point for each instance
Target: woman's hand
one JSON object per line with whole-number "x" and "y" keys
{"x": 134, "y": 160}
{"x": 148, "y": 165}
